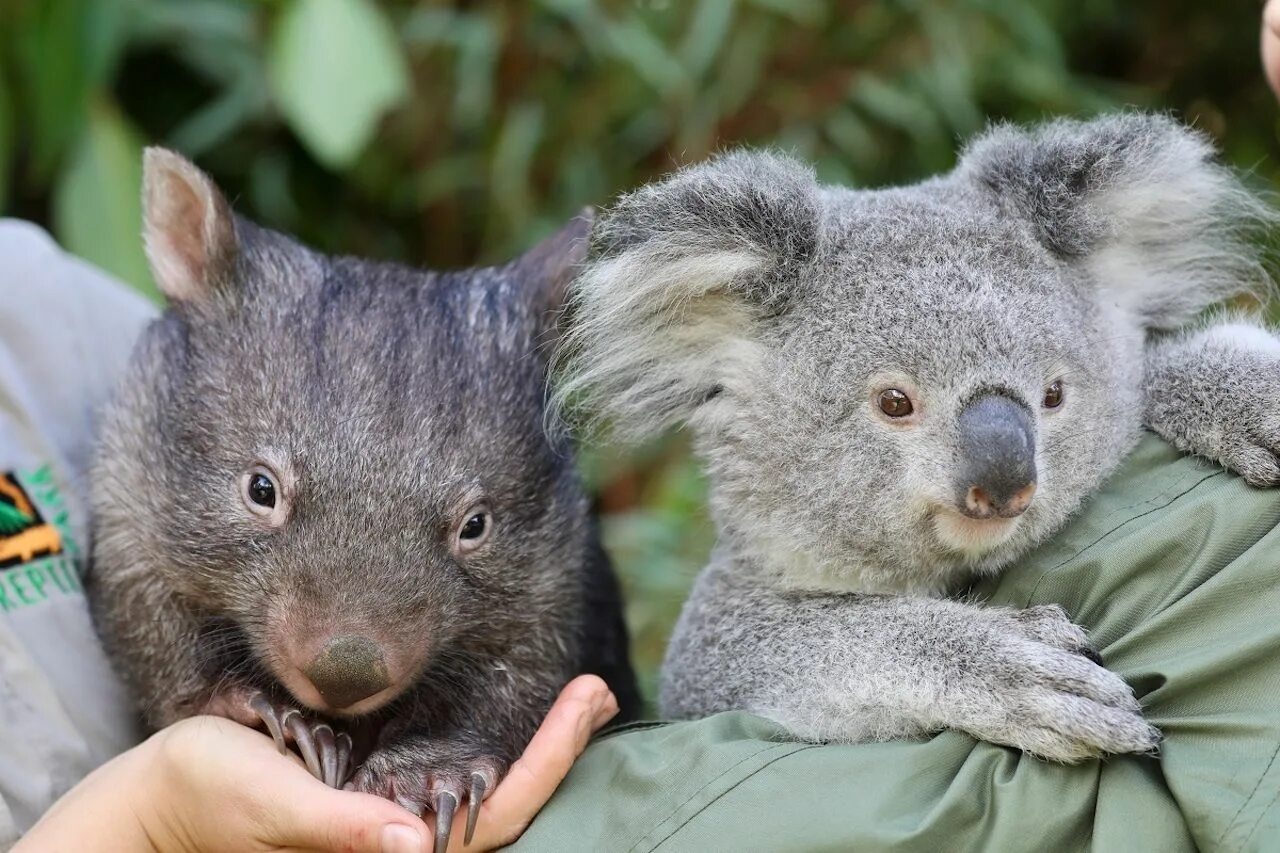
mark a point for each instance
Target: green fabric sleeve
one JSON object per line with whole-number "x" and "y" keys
{"x": 1174, "y": 569}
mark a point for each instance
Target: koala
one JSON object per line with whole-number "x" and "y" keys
{"x": 896, "y": 392}
{"x": 326, "y": 504}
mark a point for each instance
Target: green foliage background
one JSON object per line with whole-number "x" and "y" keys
{"x": 453, "y": 133}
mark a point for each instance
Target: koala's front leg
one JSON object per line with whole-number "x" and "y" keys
{"x": 1215, "y": 391}
{"x": 843, "y": 667}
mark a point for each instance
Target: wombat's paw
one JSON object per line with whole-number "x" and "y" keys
{"x": 327, "y": 754}
{"x": 420, "y": 773}
{"x": 1055, "y": 702}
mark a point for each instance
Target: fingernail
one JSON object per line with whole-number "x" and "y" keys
{"x": 605, "y": 710}
{"x": 398, "y": 838}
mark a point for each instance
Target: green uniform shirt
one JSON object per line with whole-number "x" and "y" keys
{"x": 1175, "y": 570}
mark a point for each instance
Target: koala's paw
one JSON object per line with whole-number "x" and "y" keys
{"x": 326, "y": 753}
{"x": 1255, "y": 456}
{"x": 1227, "y": 410}
{"x": 419, "y": 772}
{"x": 1048, "y": 694}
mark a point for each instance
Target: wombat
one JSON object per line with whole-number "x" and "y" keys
{"x": 325, "y": 495}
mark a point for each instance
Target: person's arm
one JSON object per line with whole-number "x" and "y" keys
{"x": 207, "y": 784}
{"x": 1173, "y": 570}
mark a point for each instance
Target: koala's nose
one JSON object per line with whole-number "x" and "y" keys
{"x": 998, "y": 458}
{"x": 349, "y": 669}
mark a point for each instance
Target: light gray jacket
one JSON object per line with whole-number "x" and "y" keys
{"x": 66, "y": 330}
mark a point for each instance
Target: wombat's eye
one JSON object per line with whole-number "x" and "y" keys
{"x": 477, "y": 523}
{"x": 1053, "y": 395}
{"x": 260, "y": 490}
{"x": 895, "y": 403}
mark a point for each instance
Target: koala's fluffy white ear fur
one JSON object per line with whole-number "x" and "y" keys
{"x": 1140, "y": 200}
{"x": 188, "y": 226}
{"x": 663, "y": 313}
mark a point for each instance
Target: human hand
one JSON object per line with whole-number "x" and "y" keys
{"x": 1271, "y": 44}
{"x": 208, "y": 784}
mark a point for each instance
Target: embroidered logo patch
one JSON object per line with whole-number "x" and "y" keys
{"x": 24, "y": 534}
{"x": 38, "y": 550}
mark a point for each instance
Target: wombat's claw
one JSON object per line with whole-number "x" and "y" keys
{"x": 441, "y": 789}
{"x": 327, "y": 755}
{"x": 479, "y": 786}
{"x": 266, "y": 711}
{"x": 306, "y": 743}
{"x": 444, "y": 804}
{"x": 335, "y": 754}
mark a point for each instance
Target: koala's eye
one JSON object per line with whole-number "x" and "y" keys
{"x": 474, "y": 530}
{"x": 895, "y": 403}
{"x": 1053, "y": 395}
{"x": 260, "y": 490}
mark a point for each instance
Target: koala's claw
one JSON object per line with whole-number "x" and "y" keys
{"x": 1092, "y": 655}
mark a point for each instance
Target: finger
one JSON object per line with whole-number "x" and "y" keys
{"x": 1271, "y": 44}
{"x": 323, "y": 819}
{"x": 584, "y": 705}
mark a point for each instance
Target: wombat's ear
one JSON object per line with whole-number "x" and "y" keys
{"x": 1138, "y": 200}
{"x": 188, "y": 227}
{"x": 664, "y": 314}
{"x": 543, "y": 273}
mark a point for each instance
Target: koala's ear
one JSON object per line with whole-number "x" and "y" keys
{"x": 188, "y": 227}
{"x": 664, "y": 314}
{"x": 1139, "y": 200}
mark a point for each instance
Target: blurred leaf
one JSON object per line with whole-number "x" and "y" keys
{"x": 335, "y": 68}
{"x": 54, "y": 73}
{"x": 802, "y": 11}
{"x": 706, "y": 35}
{"x": 216, "y": 121}
{"x": 97, "y": 206}
{"x": 512, "y": 157}
{"x": 631, "y": 41}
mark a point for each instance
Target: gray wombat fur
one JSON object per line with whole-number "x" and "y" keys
{"x": 769, "y": 312}
{"x": 386, "y": 404}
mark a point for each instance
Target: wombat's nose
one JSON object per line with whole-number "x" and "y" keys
{"x": 348, "y": 670}
{"x": 997, "y": 476}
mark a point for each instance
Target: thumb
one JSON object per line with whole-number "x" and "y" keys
{"x": 324, "y": 819}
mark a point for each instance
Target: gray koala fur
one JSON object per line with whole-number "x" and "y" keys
{"x": 386, "y": 403}
{"x": 768, "y": 312}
